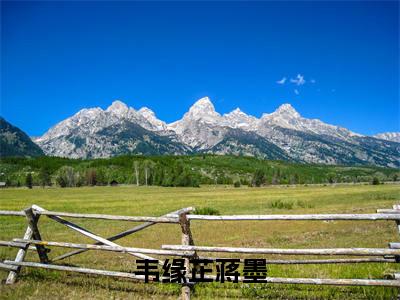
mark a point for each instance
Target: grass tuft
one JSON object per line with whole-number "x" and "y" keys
{"x": 279, "y": 204}
{"x": 207, "y": 211}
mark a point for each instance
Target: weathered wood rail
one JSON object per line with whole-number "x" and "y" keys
{"x": 32, "y": 240}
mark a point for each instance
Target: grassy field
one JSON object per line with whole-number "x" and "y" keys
{"x": 154, "y": 201}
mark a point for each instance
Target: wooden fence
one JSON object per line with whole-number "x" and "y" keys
{"x": 32, "y": 241}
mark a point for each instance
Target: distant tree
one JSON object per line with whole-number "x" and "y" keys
{"x": 395, "y": 177}
{"x": 375, "y": 181}
{"x": 79, "y": 179}
{"x": 148, "y": 168}
{"x": 158, "y": 175}
{"x": 297, "y": 179}
{"x": 294, "y": 179}
{"x": 101, "y": 176}
{"x": 236, "y": 184}
{"x": 65, "y": 177}
{"x": 91, "y": 177}
{"x": 61, "y": 181}
{"x": 258, "y": 178}
{"x": 136, "y": 168}
{"x": 167, "y": 180}
{"x": 44, "y": 176}
{"x": 331, "y": 178}
{"x": 274, "y": 179}
{"x": 28, "y": 180}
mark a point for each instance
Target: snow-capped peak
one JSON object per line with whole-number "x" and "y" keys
{"x": 203, "y": 109}
{"x": 238, "y": 119}
{"x": 236, "y": 111}
{"x": 118, "y": 107}
{"x": 287, "y": 117}
{"x": 88, "y": 112}
{"x": 287, "y": 110}
{"x": 202, "y": 105}
{"x": 192, "y": 128}
{"x": 146, "y": 112}
{"x": 150, "y": 116}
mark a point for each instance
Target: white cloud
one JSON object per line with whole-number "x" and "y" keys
{"x": 313, "y": 81}
{"x": 299, "y": 80}
{"x": 296, "y": 91}
{"x": 282, "y": 81}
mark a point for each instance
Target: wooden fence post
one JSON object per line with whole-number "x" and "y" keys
{"x": 32, "y": 231}
{"x": 32, "y": 222}
{"x": 187, "y": 240}
{"x": 397, "y": 258}
{"x": 12, "y": 276}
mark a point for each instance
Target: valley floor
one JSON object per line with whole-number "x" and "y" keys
{"x": 155, "y": 201}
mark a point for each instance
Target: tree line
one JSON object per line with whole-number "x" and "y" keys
{"x": 170, "y": 171}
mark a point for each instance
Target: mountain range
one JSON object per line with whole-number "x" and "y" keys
{"x": 283, "y": 134}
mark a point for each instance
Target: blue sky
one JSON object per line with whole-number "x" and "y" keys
{"x": 59, "y": 57}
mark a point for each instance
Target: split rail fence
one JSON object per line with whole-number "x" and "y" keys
{"x": 32, "y": 240}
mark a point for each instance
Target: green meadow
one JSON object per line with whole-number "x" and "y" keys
{"x": 156, "y": 201}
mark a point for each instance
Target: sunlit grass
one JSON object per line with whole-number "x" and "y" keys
{"x": 155, "y": 201}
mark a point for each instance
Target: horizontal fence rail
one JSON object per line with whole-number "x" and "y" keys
{"x": 388, "y": 211}
{"x": 390, "y": 215}
{"x": 12, "y": 213}
{"x": 112, "y": 217}
{"x": 32, "y": 241}
{"x": 332, "y": 251}
{"x": 75, "y": 269}
{"x": 320, "y": 261}
{"x": 321, "y": 217}
{"x": 282, "y": 280}
{"x": 20, "y": 243}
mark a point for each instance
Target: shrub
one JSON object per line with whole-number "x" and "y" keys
{"x": 375, "y": 181}
{"x": 278, "y": 204}
{"x": 207, "y": 211}
{"x": 236, "y": 184}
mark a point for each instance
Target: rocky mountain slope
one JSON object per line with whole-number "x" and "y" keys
{"x": 283, "y": 134}
{"x": 389, "y": 136}
{"x": 14, "y": 142}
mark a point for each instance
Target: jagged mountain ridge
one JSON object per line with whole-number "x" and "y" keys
{"x": 283, "y": 134}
